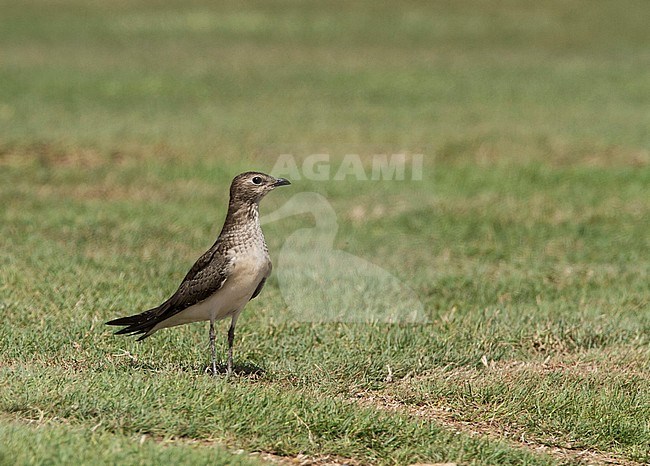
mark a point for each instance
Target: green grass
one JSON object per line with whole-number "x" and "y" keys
{"x": 527, "y": 240}
{"x": 54, "y": 443}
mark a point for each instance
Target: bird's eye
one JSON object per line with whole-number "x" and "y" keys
{"x": 257, "y": 180}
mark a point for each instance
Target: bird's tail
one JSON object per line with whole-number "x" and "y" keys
{"x": 137, "y": 324}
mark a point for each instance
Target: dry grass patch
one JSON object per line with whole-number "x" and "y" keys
{"x": 60, "y": 156}
{"x": 586, "y": 408}
{"x": 516, "y": 438}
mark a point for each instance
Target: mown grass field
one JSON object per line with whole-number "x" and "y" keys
{"x": 527, "y": 241}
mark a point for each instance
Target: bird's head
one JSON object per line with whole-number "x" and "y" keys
{"x": 251, "y": 187}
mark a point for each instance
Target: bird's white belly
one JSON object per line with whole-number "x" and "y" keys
{"x": 243, "y": 279}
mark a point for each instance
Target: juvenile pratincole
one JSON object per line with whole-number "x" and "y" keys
{"x": 225, "y": 277}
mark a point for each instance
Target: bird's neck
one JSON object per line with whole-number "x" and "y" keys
{"x": 243, "y": 214}
{"x": 242, "y": 227}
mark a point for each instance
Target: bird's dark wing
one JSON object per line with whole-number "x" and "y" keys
{"x": 205, "y": 277}
{"x": 203, "y": 261}
{"x": 200, "y": 285}
{"x": 259, "y": 288}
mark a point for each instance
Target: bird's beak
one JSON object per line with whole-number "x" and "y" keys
{"x": 281, "y": 182}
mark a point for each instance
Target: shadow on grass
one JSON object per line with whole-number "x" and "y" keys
{"x": 245, "y": 369}
{"x": 242, "y": 369}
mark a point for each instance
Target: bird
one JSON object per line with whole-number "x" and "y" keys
{"x": 321, "y": 283}
{"x": 225, "y": 278}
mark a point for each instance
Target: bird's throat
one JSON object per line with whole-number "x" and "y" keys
{"x": 243, "y": 213}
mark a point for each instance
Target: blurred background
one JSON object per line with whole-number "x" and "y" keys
{"x": 519, "y": 80}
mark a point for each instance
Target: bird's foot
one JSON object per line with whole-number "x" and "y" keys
{"x": 211, "y": 369}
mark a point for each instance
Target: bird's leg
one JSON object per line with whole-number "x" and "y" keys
{"x": 231, "y": 339}
{"x": 213, "y": 349}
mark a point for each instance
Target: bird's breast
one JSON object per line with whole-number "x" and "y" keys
{"x": 250, "y": 264}
{"x": 251, "y": 267}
